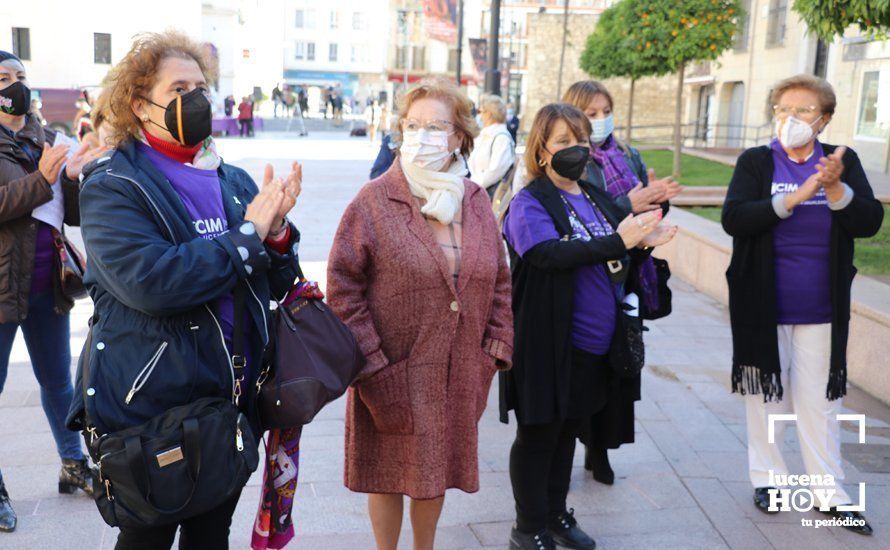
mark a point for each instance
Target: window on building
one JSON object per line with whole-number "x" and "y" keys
{"x": 335, "y": 19}
{"x": 310, "y": 51}
{"x": 742, "y": 35}
{"x": 332, "y": 52}
{"x": 300, "y": 50}
{"x": 869, "y": 124}
{"x": 21, "y": 43}
{"x": 102, "y": 48}
{"x": 452, "y": 60}
{"x": 820, "y": 66}
{"x": 775, "y": 30}
{"x": 309, "y": 19}
{"x": 300, "y": 20}
{"x": 357, "y": 21}
{"x": 417, "y": 61}
{"x": 401, "y": 57}
{"x": 353, "y": 53}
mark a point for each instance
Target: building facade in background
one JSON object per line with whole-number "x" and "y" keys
{"x": 339, "y": 45}
{"x": 728, "y": 101}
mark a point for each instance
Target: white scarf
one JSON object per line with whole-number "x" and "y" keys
{"x": 443, "y": 191}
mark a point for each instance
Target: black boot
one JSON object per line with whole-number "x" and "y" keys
{"x": 860, "y": 526}
{"x": 76, "y": 474}
{"x": 596, "y": 459}
{"x": 530, "y": 541}
{"x": 761, "y": 500}
{"x": 7, "y": 514}
{"x": 565, "y": 532}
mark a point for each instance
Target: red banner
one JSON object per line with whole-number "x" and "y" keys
{"x": 440, "y": 19}
{"x": 479, "y": 52}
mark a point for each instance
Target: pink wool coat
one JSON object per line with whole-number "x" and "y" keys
{"x": 431, "y": 348}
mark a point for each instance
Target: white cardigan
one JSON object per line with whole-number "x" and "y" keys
{"x": 492, "y": 155}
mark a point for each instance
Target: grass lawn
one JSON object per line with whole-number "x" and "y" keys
{"x": 696, "y": 171}
{"x": 872, "y": 255}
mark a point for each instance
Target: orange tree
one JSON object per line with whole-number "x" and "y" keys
{"x": 609, "y": 53}
{"x": 671, "y": 34}
{"x": 829, "y": 18}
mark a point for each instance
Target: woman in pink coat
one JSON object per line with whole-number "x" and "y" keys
{"x": 418, "y": 272}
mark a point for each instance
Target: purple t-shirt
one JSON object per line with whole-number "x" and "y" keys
{"x": 44, "y": 251}
{"x": 593, "y": 317}
{"x": 201, "y": 195}
{"x": 801, "y": 245}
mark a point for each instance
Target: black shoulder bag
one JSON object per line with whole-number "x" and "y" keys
{"x": 627, "y": 353}
{"x": 181, "y": 463}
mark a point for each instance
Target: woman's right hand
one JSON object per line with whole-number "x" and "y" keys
{"x": 634, "y": 229}
{"x": 805, "y": 192}
{"x": 51, "y": 161}
{"x": 263, "y": 209}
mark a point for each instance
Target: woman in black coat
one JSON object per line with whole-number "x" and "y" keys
{"x": 793, "y": 208}
{"x": 562, "y": 233}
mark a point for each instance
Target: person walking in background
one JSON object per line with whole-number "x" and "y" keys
{"x": 173, "y": 234}
{"x": 619, "y": 170}
{"x": 277, "y": 100}
{"x": 562, "y": 233}
{"x": 373, "y": 116}
{"x": 229, "y": 105}
{"x": 512, "y": 121}
{"x": 40, "y": 192}
{"x": 493, "y": 153}
{"x": 793, "y": 209}
{"x": 245, "y": 117}
{"x": 418, "y": 272}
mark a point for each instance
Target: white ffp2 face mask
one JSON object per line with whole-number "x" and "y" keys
{"x": 424, "y": 149}
{"x": 793, "y": 132}
{"x": 601, "y": 128}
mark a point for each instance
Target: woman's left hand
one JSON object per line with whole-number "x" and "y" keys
{"x": 830, "y": 169}
{"x": 662, "y": 234}
{"x": 87, "y": 153}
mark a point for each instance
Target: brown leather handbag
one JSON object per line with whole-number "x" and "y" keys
{"x": 70, "y": 267}
{"x": 311, "y": 361}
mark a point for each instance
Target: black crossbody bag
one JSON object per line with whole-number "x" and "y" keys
{"x": 627, "y": 353}
{"x": 181, "y": 463}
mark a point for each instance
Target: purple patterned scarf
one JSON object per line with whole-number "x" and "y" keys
{"x": 620, "y": 179}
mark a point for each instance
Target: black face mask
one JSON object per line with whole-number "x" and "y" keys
{"x": 15, "y": 99}
{"x": 571, "y": 161}
{"x": 188, "y": 117}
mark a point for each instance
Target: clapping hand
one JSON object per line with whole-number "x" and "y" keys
{"x": 88, "y": 152}
{"x": 51, "y": 161}
{"x": 830, "y": 169}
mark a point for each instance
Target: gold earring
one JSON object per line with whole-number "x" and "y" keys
{"x": 144, "y": 118}
{"x": 541, "y": 163}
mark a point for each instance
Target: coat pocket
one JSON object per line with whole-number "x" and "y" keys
{"x": 388, "y": 398}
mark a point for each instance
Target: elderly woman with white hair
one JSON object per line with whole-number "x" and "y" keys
{"x": 493, "y": 155}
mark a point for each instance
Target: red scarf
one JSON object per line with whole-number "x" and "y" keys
{"x": 175, "y": 151}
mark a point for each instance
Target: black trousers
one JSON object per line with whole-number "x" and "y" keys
{"x": 540, "y": 470}
{"x": 246, "y": 127}
{"x": 208, "y": 531}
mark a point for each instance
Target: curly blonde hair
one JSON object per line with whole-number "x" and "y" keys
{"x": 136, "y": 74}
{"x": 444, "y": 90}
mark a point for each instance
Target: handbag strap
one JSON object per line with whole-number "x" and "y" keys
{"x": 239, "y": 335}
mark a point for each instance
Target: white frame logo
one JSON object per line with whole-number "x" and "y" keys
{"x": 803, "y": 497}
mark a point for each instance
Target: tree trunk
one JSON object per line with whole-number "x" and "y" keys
{"x": 678, "y": 128}
{"x": 630, "y": 111}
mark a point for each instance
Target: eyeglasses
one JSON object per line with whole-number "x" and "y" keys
{"x": 785, "y": 110}
{"x": 412, "y": 125}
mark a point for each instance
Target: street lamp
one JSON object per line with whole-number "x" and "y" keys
{"x": 493, "y": 73}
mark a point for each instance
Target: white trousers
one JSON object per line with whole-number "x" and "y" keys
{"x": 804, "y": 356}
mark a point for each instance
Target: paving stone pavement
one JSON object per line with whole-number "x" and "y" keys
{"x": 682, "y": 484}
